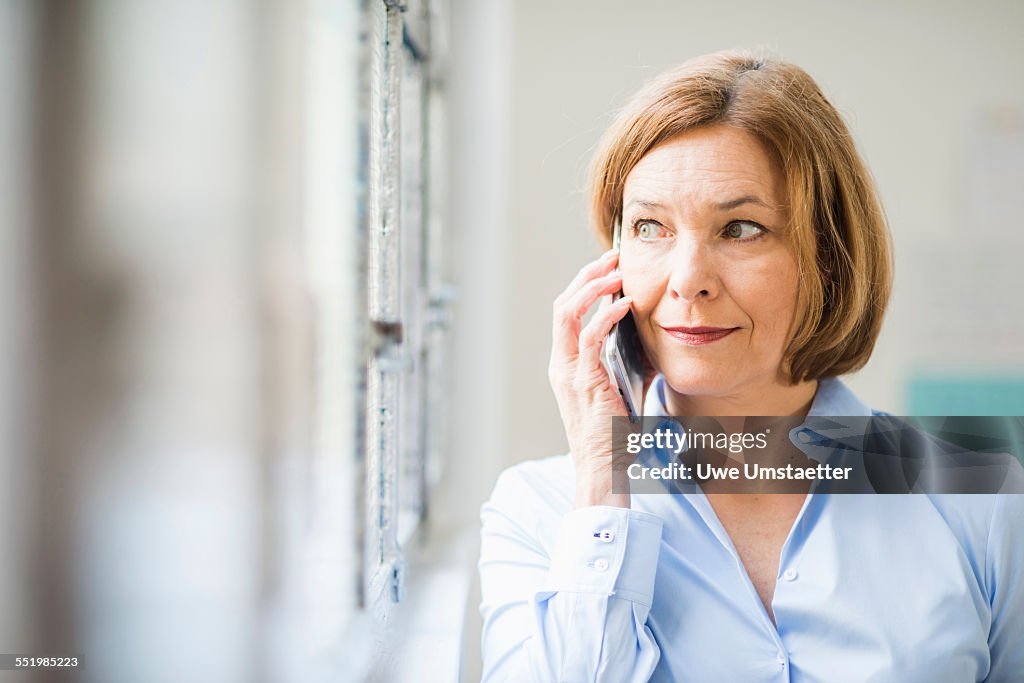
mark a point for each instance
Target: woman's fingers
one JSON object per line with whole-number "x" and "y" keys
{"x": 601, "y": 266}
{"x": 586, "y": 398}
{"x": 597, "y": 329}
{"x": 591, "y": 292}
{"x": 568, "y": 320}
{"x": 593, "y": 281}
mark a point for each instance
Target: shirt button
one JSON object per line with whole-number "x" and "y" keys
{"x": 790, "y": 575}
{"x": 781, "y": 659}
{"x": 606, "y": 535}
{"x": 805, "y": 437}
{"x": 601, "y": 564}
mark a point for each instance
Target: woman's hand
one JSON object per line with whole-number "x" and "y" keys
{"x": 587, "y": 398}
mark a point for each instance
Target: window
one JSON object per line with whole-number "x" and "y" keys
{"x": 230, "y": 233}
{"x": 405, "y": 309}
{"x": 371, "y": 230}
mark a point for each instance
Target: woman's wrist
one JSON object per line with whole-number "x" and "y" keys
{"x": 596, "y": 489}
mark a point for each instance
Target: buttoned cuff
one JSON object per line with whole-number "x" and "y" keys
{"x": 609, "y": 551}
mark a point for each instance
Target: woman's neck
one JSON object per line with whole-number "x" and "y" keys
{"x": 773, "y": 399}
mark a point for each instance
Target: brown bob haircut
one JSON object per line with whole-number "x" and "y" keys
{"x": 838, "y": 229}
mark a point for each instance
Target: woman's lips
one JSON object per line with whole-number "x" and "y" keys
{"x": 698, "y": 336}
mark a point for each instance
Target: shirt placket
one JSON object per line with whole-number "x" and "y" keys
{"x": 788, "y": 574}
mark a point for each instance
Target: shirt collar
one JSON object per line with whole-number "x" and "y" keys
{"x": 832, "y": 399}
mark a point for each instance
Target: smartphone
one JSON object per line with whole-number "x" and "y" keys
{"x": 623, "y": 355}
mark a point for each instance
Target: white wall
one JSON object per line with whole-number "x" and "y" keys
{"x": 478, "y": 86}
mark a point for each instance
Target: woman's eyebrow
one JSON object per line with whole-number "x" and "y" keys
{"x": 644, "y": 204}
{"x": 720, "y": 206}
{"x": 740, "y": 201}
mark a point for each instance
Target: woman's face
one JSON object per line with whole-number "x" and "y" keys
{"x": 706, "y": 255}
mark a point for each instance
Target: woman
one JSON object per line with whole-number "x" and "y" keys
{"x": 756, "y": 262}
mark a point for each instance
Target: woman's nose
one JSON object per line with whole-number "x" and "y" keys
{"x": 693, "y": 275}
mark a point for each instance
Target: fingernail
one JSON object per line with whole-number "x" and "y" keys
{"x": 607, "y": 256}
{"x": 626, "y": 300}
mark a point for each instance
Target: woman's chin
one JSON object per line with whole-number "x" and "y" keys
{"x": 700, "y": 384}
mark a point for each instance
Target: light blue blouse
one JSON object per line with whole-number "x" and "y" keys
{"x": 905, "y": 588}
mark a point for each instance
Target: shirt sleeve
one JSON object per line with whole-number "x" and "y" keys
{"x": 1005, "y": 573}
{"x": 577, "y": 613}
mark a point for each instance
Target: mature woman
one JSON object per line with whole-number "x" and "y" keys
{"x": 756, "y": 262}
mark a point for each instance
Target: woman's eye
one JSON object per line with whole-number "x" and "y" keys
{"x": 743, "y": 230}
{"x": 646, "y": 230}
